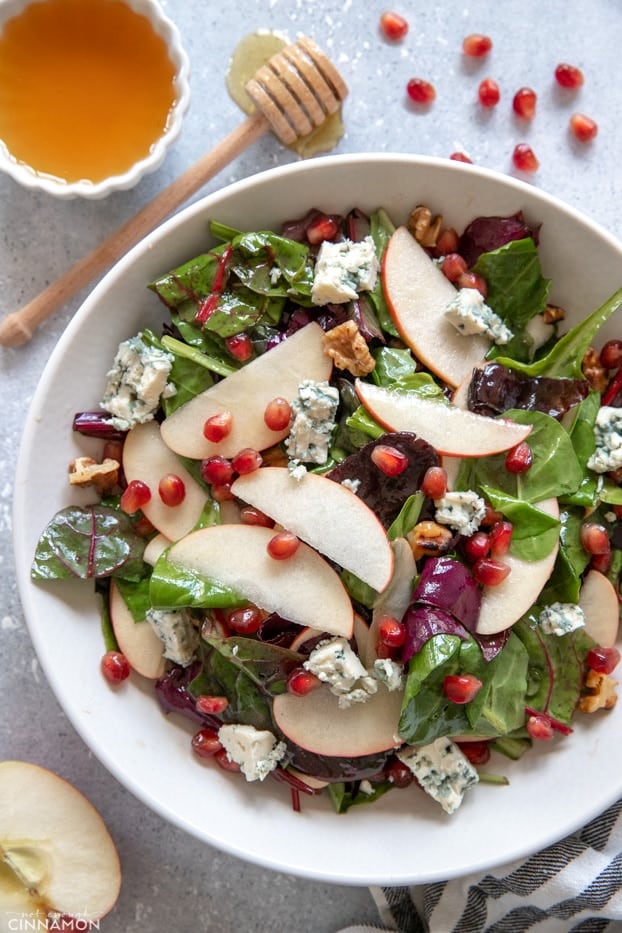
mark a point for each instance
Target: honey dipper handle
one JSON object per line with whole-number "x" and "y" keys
{"x": 18, "y": 327}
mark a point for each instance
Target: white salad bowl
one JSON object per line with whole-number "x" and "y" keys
{"x": 405, "y": 837}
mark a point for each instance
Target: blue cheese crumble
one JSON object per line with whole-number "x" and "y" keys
{"x": 313, "y": 423}
{"x": 175, "y": 629}
{"x": 469, "y": 314}
{"x": 256, "y": 751}
{"x": 608, "y": 439}
{"x": 561, "y": 618}
{"x": 335, "y": 663}
{"x": 442, "y": 771}
{"x": 388, "y": 672}
{"x": 136, "y": 383}
{"x": 344, "y": 269}
{"x": 462, "y": 511}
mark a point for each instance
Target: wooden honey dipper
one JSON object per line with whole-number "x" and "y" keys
{"x": 294, "y": 92}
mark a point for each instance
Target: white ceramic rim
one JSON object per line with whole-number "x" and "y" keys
{"x": 453, "y": 842}
{"x": 165, "y": 28}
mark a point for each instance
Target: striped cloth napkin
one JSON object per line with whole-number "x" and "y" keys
{"x": 573, "y": 886}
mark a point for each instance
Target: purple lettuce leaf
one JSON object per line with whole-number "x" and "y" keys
{"x": 488, "y": 233}
{"x": 446, "y": 583}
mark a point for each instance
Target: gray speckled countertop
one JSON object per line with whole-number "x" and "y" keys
{"x": 170, "y": 880}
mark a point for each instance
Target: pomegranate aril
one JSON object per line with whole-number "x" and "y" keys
{"x": 478, "y": 753}
{"x": 477, "y": 546}
{"x": 115, "y": 667}
{"x": 301, "y": 682}
{"x": 245, "y": 621}
{"x": 583, "y": 127}
{"x": 600, "y": 562}
{"x": 524, "y": 103}
{"x": 489, "y": 571}
{"x": 461, "y": 688}
{"x": 453, "y": 265}
{"x": 472, "y": 280}
{"x": 218, "y": 426}
{"x": 240, "y": 346}
{"x": 135, "y": 495}
{"x": 488, "y": 93}
{"x": 211, "y": 705}
{"x": 461, "y": 157}
{"x": 448, "y": 242}
{"x": 595, "y": 539}
{"x": 322, "y": 228}
{"x": 278, "y": 414}
{"x": 556, "y": 724}
{"x": 603, "y": 660}
{"x": 249, "y": 515}
{"x": 391, "y": 632}
{"x": 393, "y": 26}
{"x": 386, "y": 651}
{"x": 247, "y": 461}
{"x": 524, "y": 158}
{"x": 216, "y": 470}
{"x": 389, "y": 460}
{"x": 172, "y": 490}
{"x": 434, "y": 482}
{"x": 519, "y": 459}
{"x": 500, "y": 539}
{"x": 205, "y": 743}
{"x": 283, "y": 545}
{"x": 221, "y": 758}
{"x": 611, "y": 354}
{"x": 568, "y": 76}
{"x": 539, "y": 727}
{"x": 399, "y": 774}
{"x": 421, "y": 91}
{"x": 476, "y": 45}
{"x": 221, "y": 492}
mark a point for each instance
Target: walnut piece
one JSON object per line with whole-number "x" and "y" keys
{"x": 429, "y": 539}
{"x": 84, "y": 471}
{"x": 552, "y": 314}
{"x": 424, "y": 227}
{"x": 348, "y": 348}
{"x": 594, "y": 371}
{"x": 601, "y": 692}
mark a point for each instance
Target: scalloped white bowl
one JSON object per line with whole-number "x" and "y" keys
{"x": 405, "y": 837}
{"x": 167, "y": 30}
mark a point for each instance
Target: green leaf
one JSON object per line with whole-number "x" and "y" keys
{"x": 534, "y": 532}
{"x": 267, "y": 665}
{"x": 407, "y": 517}
{"x": 136, "y": 596}
{"x": 344, "y": 796}
{"x": 381, "y": 230}
{"x": 517, "y": 291}
{"x": 202, "y": 361}
{"x": 174, "y": 586}
{"x": 363, "y": 422}
{"x": 219, "y": 676}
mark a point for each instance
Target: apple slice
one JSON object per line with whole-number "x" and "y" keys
{"x": 448, "y": 429}
{"x": 56, "y": 845}
{"x": 325, "y": 514}
{"x": 147, "y": 458}
{"x": 303, "y": 588}
{"x": 417, "y": 294}
{"x": 503, "y": 605}
{"x": 154, "y": 548}
{"x": 137, "y": 640}
{"x": 316, "y": 722}
{"x": 245, "y": 394}
{"x": 599, "y": 602}
{"x": 395, "y": 600}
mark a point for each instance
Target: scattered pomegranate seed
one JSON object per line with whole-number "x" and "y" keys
{"x": 135, "y": 495}
{"x": 453, "y": 266}
{"x": 211, "y": 705}
{"x": 472, "y": 280}
{"x": 283, "y": 545}
{"x": 478, "y": 753}
{"x": 205, "y": 743}
{"x": 601, "y": 562}
{"x": 461, "y": 688}
{"x": 461, "y": 157}
{"x": 216, "y": 470}
{"x": 556, "y": 724}
{"x": 583, "y": 127}
{"x": 524, "y": 158}
{"x": 448, "y": 242}
{"x": 143, "y": 527}
{"x": 594, "y": 538}
{"x": 500, "y": 538}
{"x": 393, "y": 26}
{"x": 399, "y": 774}
{"x": 247, "y": 460}
{"x": 322, "y": 228}
{"x": 569, "y": 76}
{"x": 477, "y": 546}
{"x": 172, "y": 489}
{"x": 386, "y": 651}
{"x": 491, "y": 517}
{"x": 392, "y": 632}
{"x": 278, "y": 414}
{"x": 115, "y": 667}
{"x": 614, "y": 387}
{"x": 240, "y": 346}
{"x": 252, "y": 516}
{"x": 539, "y": 727}
{"x": 519, "y": 459}
{"x": 421, "y": 91}
{"x": 603, "y": 660}
{"x": 389, "y": 460}
{"x": 221, "y": 758}
{"x": 524, "y": 103}
{"x": 611, "y": 354}
{"x": 221, "y": 492}
{"x": 476, "y": 45}
{"x": 218, "y": 427}
{"x": 301, "y": 682}
{"x": 488, "y": 93}
{"x": 490, "y": 572}
{"x": 245, "y": 621}
{"x": 434, "y": 482}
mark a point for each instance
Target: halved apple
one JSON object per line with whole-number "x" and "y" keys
{"x": 147, "y": 458}
{"x": 303, "y": 588}
{"x": 448, "y": 429}
{"x": 325, "y": 514}
{"x": 56, "y": 846}
{"x": 245, "y": 394}
{"x": 137, "y": 640}
{"x": 601, "y": 608}
{"x": 316, "y": 722}
{"x": 417, "y": 294}
{"x": 504, "y": 604}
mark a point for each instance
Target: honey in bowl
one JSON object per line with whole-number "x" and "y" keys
{"x": 86, "y": 88}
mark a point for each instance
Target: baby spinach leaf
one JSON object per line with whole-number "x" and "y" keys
{"x": 517, "y": 290}
{"x": 407, "y": 518}
{"x": 266, "y": 664}
{"x": 136, "y": 596}
{"x": 344, "y": 796}
{"x": 174, "y": 586}
{"x": 219, "y": 676}
{"x": 534, "y": 533}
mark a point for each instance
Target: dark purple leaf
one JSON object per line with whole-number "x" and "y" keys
{"x": 487, "y": 233}
{"x": 357, "y": 225}
{"x": 448, "y": 584}
{"x": 172, "y": 691}
{"x": 328, "y": 768}
{"x": 423, "y": 622}
{"x": 491, "y": 645}
{"x": 495, "y": 388}
{"x": 96, "y": 424}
